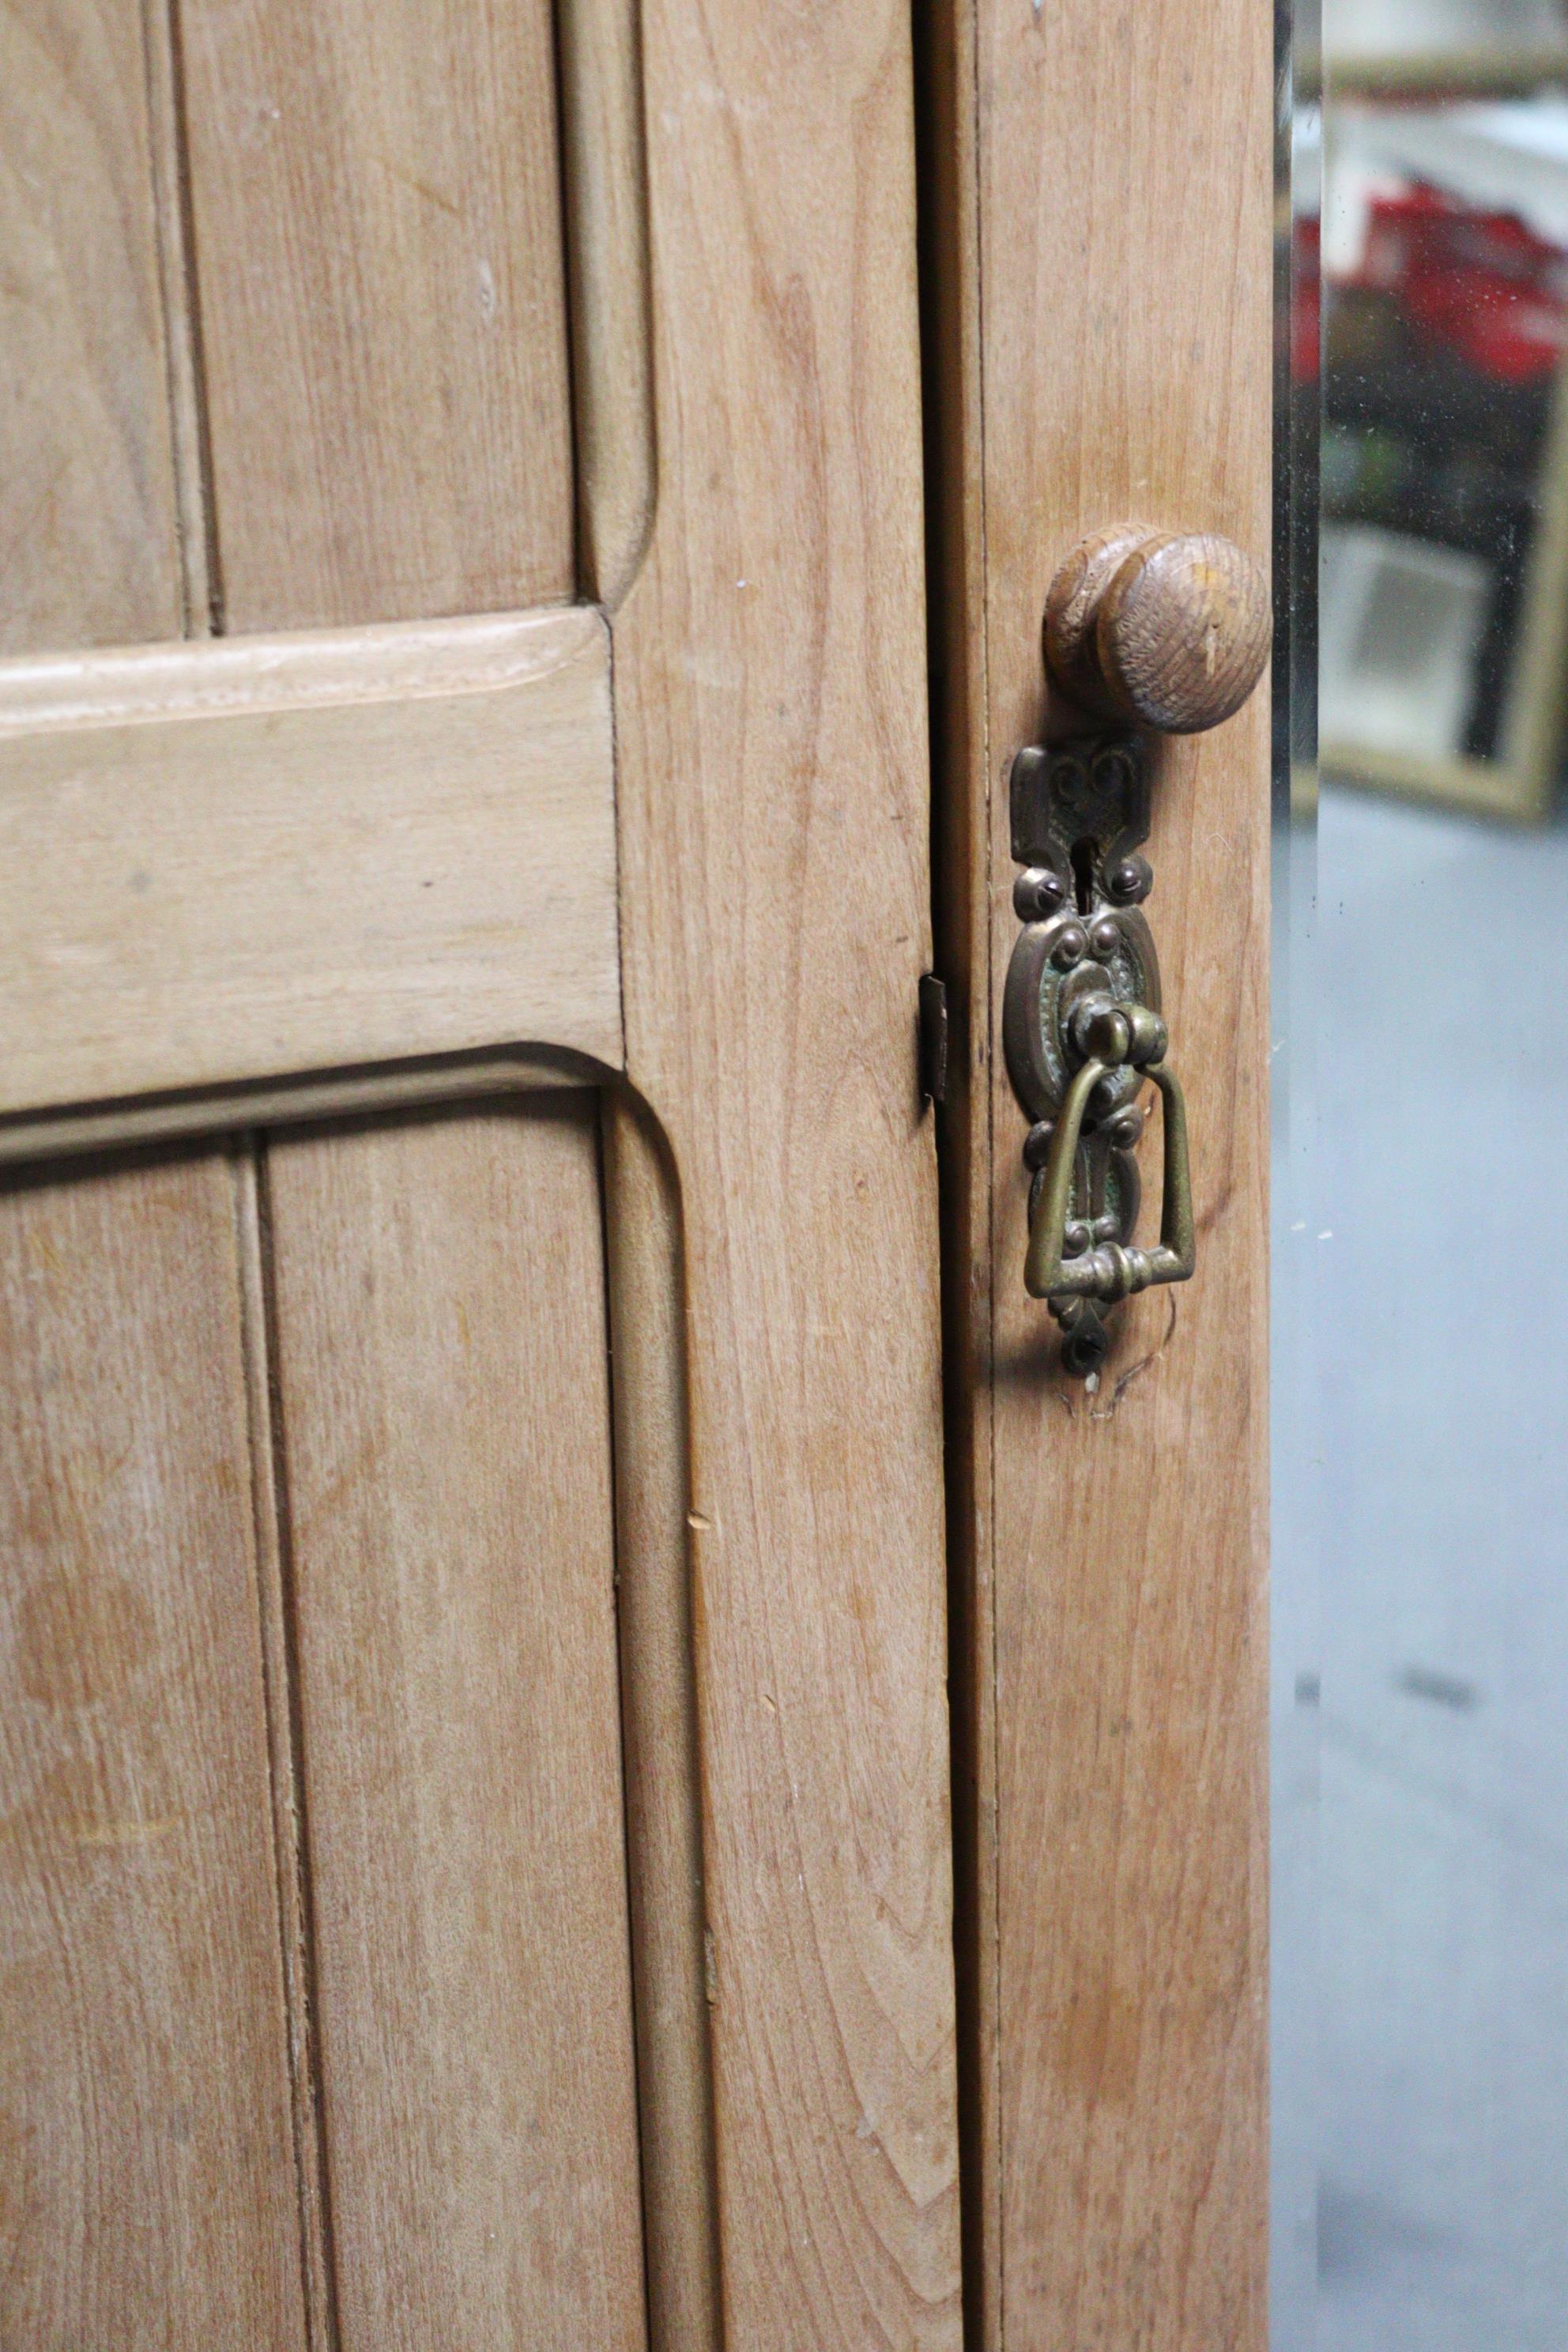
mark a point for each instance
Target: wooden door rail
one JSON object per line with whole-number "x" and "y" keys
{"x": 238, "y": 861}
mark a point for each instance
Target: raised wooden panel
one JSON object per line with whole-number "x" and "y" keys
{"x": 87, "y": 480}
{"x": 378, "y": 253}
{"x": 441, "y": 1336}
{"x": 770, "y": 688}
{"x": 147, "y": 2177}
{"x": 223, "y": 862}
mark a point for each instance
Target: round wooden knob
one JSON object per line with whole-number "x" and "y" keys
{"x": 1170, "y": 630}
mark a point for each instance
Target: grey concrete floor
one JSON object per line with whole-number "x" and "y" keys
{"x": 1421, "y": 1547}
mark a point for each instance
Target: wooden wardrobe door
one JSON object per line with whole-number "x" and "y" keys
{"x": 1101, "y": 285}
{"x": 464, "y": 885}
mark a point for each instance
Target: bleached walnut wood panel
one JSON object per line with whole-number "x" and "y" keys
{"x": 1110, "y": 207}
{"x": 769, "y": 687}
{"x": 222, "y": 862}
{"x": 440, "y": 1332}
{"x": 88, "y": 507}
{"x": 146, "y": 2149}
{"x": 378, "y": 251}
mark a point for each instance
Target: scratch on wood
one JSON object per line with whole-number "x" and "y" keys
{"x": 1107, "y": 1413}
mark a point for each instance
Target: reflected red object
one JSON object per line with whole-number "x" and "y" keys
{"x": 1480, "y": 284}
{"x": 1306, "y": 302}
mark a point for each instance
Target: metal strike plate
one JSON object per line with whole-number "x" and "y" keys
{"x": 1082, "y": 1035}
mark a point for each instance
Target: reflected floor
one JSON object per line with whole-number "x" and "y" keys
{"x": 1438, "y": 1287}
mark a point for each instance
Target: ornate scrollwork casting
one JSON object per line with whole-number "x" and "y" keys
{"x": 1083, "y": 1033}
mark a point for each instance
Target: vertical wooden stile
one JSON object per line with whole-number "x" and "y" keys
{"x": 1099, "y": 351}
{"x": 771, "y": 788}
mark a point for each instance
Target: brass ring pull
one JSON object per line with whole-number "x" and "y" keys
{"x": 1113, "y": 1270}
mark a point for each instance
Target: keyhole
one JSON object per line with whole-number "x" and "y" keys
{"x": 1083, "y": 873}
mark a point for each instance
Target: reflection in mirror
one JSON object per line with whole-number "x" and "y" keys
{"x": 1445, "y": 529}
{"x": 1293, "y": 2057}
{"x": 1421, "y": 1387}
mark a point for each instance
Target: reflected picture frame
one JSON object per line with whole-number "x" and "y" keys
{"x": 1519, "y": 783}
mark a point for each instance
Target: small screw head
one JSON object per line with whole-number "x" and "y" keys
{"x": 1070, "y": 946}
{"x": 1124, "y": 1132}
{"x": 1085, "y": 1350}
{"x": 1105, "y": 936}
{"x": 1130, "y": 880}
{"x": 1037, "y": 894}
{"x": 1076, "y": 1239}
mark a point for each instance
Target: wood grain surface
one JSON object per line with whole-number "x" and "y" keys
{"x": 88, "y": 507}
{"x": 223, "y": 862}
{"x": 380, "y": 339}
{"x": 1111, "y": 1558}
{"x": 378, "y": 252}
{"x": 773, "y": 767}
{"x": 150, "y": 2190}
{"x": 440, "y": 1330}
{"x": 1166, "y": 629}
{"x": 147, "y": 2184}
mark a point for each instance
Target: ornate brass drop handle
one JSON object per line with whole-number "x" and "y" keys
{"x": 1115, "y": 1036}
{"x": 1164, "y": 632}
